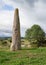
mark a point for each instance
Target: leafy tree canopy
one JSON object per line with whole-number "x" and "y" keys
{"x": 35, "y": 33}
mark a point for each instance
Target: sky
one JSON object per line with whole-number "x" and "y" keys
{"x": 30, "y": 12}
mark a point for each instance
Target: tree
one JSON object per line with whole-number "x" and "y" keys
{"x": 35, "y": 34}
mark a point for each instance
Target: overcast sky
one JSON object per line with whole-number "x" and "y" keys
{"x": 30, "y": 12}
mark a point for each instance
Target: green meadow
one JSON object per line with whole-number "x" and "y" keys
{"x": 32, "y": 56}
{"x": 25, "y": 56}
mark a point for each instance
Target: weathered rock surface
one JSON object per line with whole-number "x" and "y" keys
{"x": 16, "y": 40}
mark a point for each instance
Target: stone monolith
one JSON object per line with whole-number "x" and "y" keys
{"x": 16, "y": 40}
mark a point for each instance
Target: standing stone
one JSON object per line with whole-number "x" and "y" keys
{"x": 16, "y": 40}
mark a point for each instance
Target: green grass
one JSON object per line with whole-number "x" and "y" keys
{"x": 34, "y": 56}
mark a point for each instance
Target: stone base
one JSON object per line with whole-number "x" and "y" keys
{"x": 15, "y": 47}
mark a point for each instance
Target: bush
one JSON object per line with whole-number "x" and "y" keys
{"x": 4, "y": 43}
{"x": 35, "y": 35}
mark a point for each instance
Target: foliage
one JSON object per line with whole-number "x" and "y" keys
{"x": 35, "y": 34}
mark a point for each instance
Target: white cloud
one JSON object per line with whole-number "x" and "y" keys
{"x": 6, "y": 18}
{"x": 40, "y": 12}
{"x": 1, "y": 4}
{"x": 28, "y": 15}
{"x": 40, "y": 7}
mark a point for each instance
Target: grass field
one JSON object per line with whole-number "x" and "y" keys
{"x": 34, "y": 56}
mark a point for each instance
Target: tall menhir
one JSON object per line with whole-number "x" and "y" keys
{"x": 16, "y": 40}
